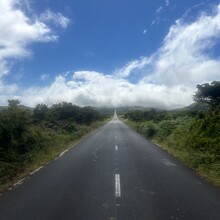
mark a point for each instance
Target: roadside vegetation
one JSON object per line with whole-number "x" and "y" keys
{"x": 32, "y": 137}
{"x": 190, "y": 134}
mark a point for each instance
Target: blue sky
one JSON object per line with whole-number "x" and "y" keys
{"x": 108, "y": 53}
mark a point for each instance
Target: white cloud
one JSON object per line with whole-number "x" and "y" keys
{"x": 166, "y": 79}
{"x": 3, "y": 68}
{"x": 44, "y": 77}
{"x": 7, "y": 92}
{"x": 153, "y": 22}
{"x": 8, "y": 89}
{"x": 18, "y": 31}
{"x": 93, "y": 88}
{"x": 183, "y": 58}
{"x": 57, "y": 18}
{"x": 133, "y": 67}
{"x": 157, "y": 21}
{"x": 185, "y": 50}
{"x": 167, "y": 2}
{"x": 158, "y": 11}
{"x": 189, "y": 10}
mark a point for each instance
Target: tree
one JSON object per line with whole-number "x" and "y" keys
{"x": 13, "y": 103}
{"x": 40, "y": 112}
{"x": 88, "y": 115}
{"x": 69, "y": 111}
{"x": 140, "y": 115}
{"x": 13, "y": 123}
{"x": 208, "y": 93}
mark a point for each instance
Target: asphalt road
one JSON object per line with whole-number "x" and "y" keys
{"x": 113, "y": 174}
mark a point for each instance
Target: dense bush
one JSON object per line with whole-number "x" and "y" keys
{"x": 24, "y": 132}
{"x": 192, "y": 136}
{"x": 140, "y": 115}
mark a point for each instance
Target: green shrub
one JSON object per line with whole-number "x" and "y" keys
{"x": 193, "y": 137}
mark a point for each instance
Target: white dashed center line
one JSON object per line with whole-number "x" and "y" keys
{"x": 117, "y": 186}
{"x": 116, "y": 147}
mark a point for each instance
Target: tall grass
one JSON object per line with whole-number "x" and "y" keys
{"x": 194, "y": 138}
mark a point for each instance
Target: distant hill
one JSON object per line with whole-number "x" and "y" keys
{"x": 193, "y": 107}
{"x": 2, "y": 108}
{"x": 123, "y": 110}
{"x": 26, "y": 107}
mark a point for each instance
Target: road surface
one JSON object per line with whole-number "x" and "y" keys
{"x": 113, "y": 174}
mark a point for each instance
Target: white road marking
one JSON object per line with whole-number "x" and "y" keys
{"x": 19, "y": 182}
{"x": 168, "y": 163}
{"x": 36, "y": 170}
{"x": 117, "y": 186}
{"x": 61, "y": 154}
{"x": 116, "y": 147}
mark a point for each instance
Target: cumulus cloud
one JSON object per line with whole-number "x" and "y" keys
{"x": 17, "y": 31}
{"x": 94, "y": 88}
{"x": 7, "y": 92}
{"x": 166, "y": 79}
{"x": 183, "y": 58}
{"x": 134, "y": 66}
{"x": 7, "y": 89}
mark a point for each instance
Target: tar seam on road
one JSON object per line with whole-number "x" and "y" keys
{"x": 117, "y": 186}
